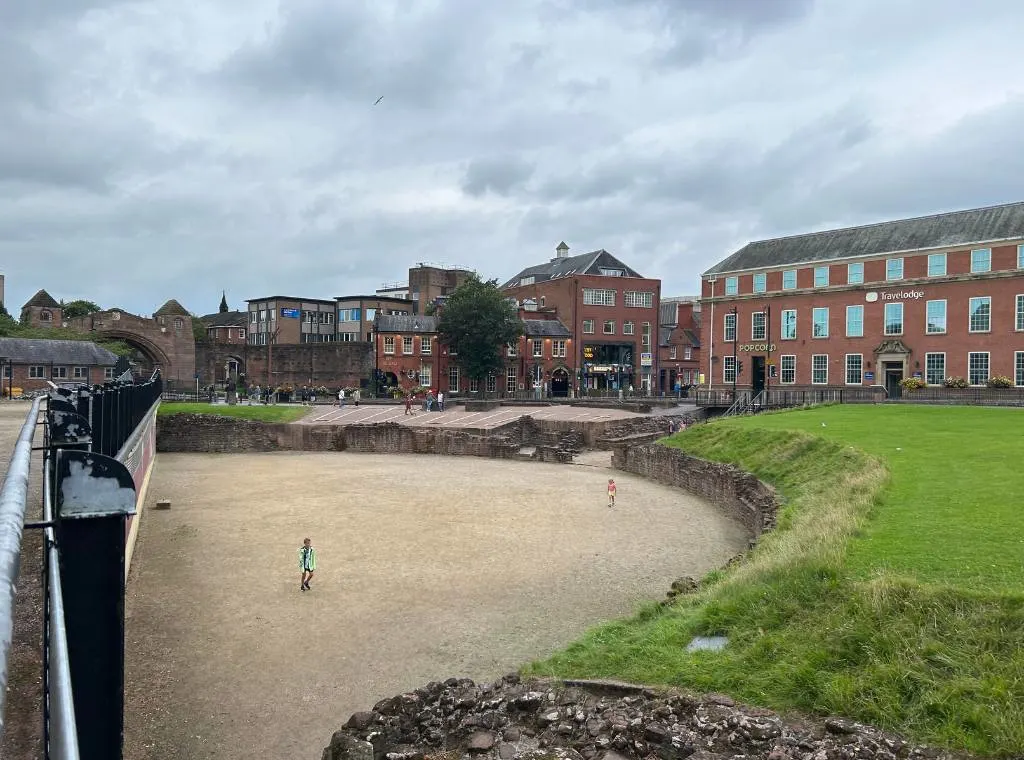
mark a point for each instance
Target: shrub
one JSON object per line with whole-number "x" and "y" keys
{"x": 955, "y": 382}
{"x": 912, "y": 383}
{"x": 1000, "y": 381}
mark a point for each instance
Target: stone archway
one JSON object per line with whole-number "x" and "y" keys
{"x": 149, "y": 356}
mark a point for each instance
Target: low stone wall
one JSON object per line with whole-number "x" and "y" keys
{"x": 738, "y": 493}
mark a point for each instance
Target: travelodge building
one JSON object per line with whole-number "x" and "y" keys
{"x": 931, "y": 297}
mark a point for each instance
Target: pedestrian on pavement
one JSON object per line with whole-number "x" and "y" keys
{"x": 356, "y": 395}
{"x": 611, "y": 492}
{"x": 408, "y": 402}
{"x": 341, "y": 398}
{"x": 307, "y": 563}
{"x": 440, "y": 401}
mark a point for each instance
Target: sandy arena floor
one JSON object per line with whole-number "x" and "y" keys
{"x": 429, "y": 567}
{"x": 456, "y": 415}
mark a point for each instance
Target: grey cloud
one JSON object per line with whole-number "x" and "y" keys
{"x": 495, "y": 175}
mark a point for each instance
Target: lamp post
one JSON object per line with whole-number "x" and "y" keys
{"x": 735, "y": 341}
{"x": 768, "y": 349}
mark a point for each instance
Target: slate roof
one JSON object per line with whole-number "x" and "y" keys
{"x": 172, "y": 307}
{"x": 585, "y": 263}
{"x": 950, "y": 230}
{"x": 403, "y": 323}
{"x": 545, "y": 328}
{"x": 43, "y": 299}
{"x": 43, "y": 351}
{"x": 665, "y": 335}
{"x": 225, "y": 319}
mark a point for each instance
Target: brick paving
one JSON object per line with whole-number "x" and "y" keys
{"x": 458, "y": 417}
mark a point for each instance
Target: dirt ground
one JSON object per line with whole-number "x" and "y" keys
{"x": 429, "y": 567}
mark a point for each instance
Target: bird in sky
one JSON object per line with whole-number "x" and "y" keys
{"x": 379, "y": 99}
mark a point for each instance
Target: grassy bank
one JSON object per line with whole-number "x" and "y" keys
{"x": 890, "y": 592}
{"x": 268, "y": 413}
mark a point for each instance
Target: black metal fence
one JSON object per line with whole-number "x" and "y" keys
{"x": 88, "y": 496}
{"x": 780, "y": 398}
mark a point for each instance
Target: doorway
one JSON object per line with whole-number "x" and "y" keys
{"x": 560, "y": 383}
{"x": 757, "y": 373}
{"x": 893, "y": 375}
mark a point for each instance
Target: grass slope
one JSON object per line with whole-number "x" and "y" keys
{"x": 268, "y": 413}
{"x": 850, "y": 607}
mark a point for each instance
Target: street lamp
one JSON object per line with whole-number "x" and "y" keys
{"x": 735, "y": 340}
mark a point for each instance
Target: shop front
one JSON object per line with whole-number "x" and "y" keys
{"x": 608, "y": 366}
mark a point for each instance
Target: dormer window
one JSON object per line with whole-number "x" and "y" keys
{"x": 612, "y": 272}
{"x": 527, "y": 280}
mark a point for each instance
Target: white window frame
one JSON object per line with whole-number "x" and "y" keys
{"x": 927, "y": 317}
{"x": 80, "y": 373}
{"x": 628, "y": 327}
{"x": 511, "y": 350}
{"x": 814, "y": 369}
{"x": 511, "y": 380}
{"x": 859, "y": 369}
{"x": 474, "y": 385}
{"x": 426, "y": 345}
{"x": 241, "y": 333}
{"x": 588, "y": 326}
{"x": 1019, "y": 312}
{"x": 732, "y": 286}
{"x": 687, "y": 353}
{"x": 453, "y": 374}
{"x": 755, "y": 335}
{"x": 936, "y": 257}
{"x": 558, "y": 349}
{"x": 789, "y": 273}
{"x": 492, "y": 384}
{"x": 814, "y": 321}
{"x": 608, "y": 327}
{"x": 942, "y": 374}
{"x": 728, "y": 369}
{"x": 985, "y": 254}
{"x": 58, "y": 373}
{"x": 859, "y": 309}
{"x": 894, "y": 269}
{"x": 537, "y": 348}
{"x": 108, "y": 373}
{"x": 1018, "y": 369}
{"x": 407, "y": 345}
{"x": 598, "y": 297}
{"x": 1020, "y": 256}
{"x": 760, "y": 279}
{"x": 818, "y": 280}
{"x": 726, "y": 327}
{"x": 970, "y": 314}
{"x": 788, "y": 318}
{"x": 645, "y": 334}
{"x": 425, "y": 376}
{"x": 389, "y": 344}
{"x": 851, "y": 278}
{"x": 886, "y": 330}
{"x": 988, "y": 367}
{"x": 783, "y": 369}
{"x": 638, "y": 299}
{"x": 671, "y": 352}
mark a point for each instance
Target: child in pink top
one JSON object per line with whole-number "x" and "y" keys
{"x": 611, "y": 492}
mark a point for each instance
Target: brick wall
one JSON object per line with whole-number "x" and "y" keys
{"x": 738, "y": 493}
{"x": 330, "y": 364}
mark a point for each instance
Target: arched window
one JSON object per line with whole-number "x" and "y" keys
{"x": 45, "y": 316}
{"x": 178, "y": 323}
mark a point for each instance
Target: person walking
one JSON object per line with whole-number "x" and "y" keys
{"x": 307, "y": 564}
{"x": 440, "y": 401}
{"x": 341, "y": 398}
{"x": 356, "y": 395}
{"x": 408, "y": 402}
{"x": 611, "y": 492}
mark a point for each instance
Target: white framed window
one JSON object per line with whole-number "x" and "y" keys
{"x": 854, "y": 321}
{"x": 528, "y": 280}
{"x": 59, "y": 373}
{"x": 453, "y": 379}
{"x": 1019, "y": 321}
{"x": 821, "y": 277}
{"x": 687, "y": 352}
{"x": 425, "y": 378}
{"x": 789, "y": 279}
{"x": 537, "y": 374}
{"x": 640, "y": 299}
{"x": 819, "y": 369}
{"x": 80, "y": 373}
{"x": 729, "y": 328}
{"x": 407, "y": 344}
{"x": 980, "y": 310}
{"x": 628, "y": 327}
{"x": 474, "y": 385}
{"x": 789, "y": 324}
{"x": 179, "y": 323}
{"x": 511, "y": 380}
{"x": 671, "y": 352}
{"x": 787, "y": 369}
{"x": 732, "y": 286}
{"x": 426, "y": 344}
{"x": 45, "y": 316}
{"x": 609, "y": 272}
{"x": 108, "y": 373}
{"x": 894, "y": 269}
{"x": 588, "y": 326}
{"x": 37, "y": 372}
{"x": 609, "y": 327}
{"x": 558, "y": 349}
{"x": 1020, "y": 257}
{"x": 936, "y": 265}
{"x": 760, "y": 282}
{"x": 241, "y": 334}
{"x": 819, "y": 317}
{"x": 645, "y": 334}
{"x": 389, "y": 344}
{"x": 538, "y": 348}
{"x": 598, "y": 297}
{"x": 855, "y": 273}
{"x": 758, "y": 326}
{"x": 492, "y": 383}
{"x": 977, "y": 367}
{"x": 981, "y": 260}
{"x": 854, "y": 369}
{"x": 935, "y": 317}
{"x": 1018, "y": 369}
{"x": 728, "y": 369}
{"x": 894, "y": 319}
{"x": 7, "y": 371}
{"x": 935, "y": 368}
{"x": 511, "y": 350}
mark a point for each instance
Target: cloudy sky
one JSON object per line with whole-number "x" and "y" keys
{"x": 175, "y": 148}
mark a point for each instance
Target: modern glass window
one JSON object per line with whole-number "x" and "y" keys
{"x": 977, "y": 367}
{"x": 609, "y": 327}
{"x": 935, "y": 317}
{"x": 981, "y": 260}
{"x": 894, "y": 269}
{"x": 789, "y": 279}
{"x": 598, "y": 297}
{"x": 628, "y": 327}
{"x": 855, "y": 273}
{"x": 732, "y": 286}
{"x": 819, "y": 317}
{"x": 453, "y": 379}
{"x": 1018, "y": 369}
{"x": 640, "y": 299}
{"x": 389, "y": 344}
{"x": 894, "y": 319}
{"x": 854, "y": 321}
{"x": 588, "y": 326}
{"x": 760, "y": 282}
{"x": 729, "y": 326}
{"x": 980, "y": 310}
{"x": 854, "y": 369}
{"x": 426, "y": 344}
{"x": 821, "y": 277}
{"x": 787, "y": 369}
{"x": 934, "y": 368}
{"x": 758, "y": 326}
{"x": 936, "y": 265}
{"x": 789, "y": 324}
{"x": 1019, "y": 323}
{"x": 407, "y": 344}
{"x": 728, "y": 369}
{"x": 819, "y": 369}
{"x": 511, "y": 380}
{"x": 538, "y": 348}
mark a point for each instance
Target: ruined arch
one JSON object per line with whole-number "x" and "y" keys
{"x": 155, "y": 357}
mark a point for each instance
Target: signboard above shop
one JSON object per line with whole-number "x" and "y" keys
{"x": 757, "y": 347}
{"x": 291, "y": 313}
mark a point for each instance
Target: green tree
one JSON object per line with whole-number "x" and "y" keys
{"x": 478, "y": 321}
{"x": 79, "y": 308}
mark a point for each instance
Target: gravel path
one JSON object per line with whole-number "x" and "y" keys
{"x": 429, "y": 567}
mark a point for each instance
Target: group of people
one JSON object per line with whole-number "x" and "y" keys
{"x": 430, "y": 401}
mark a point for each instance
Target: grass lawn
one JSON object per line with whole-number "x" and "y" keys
{"x": 890, "y": 592}
{"x": 270, "y": 413}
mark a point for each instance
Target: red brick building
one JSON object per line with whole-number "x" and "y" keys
{"x": 42, "y": 310}
{"x": 679, "y": 344}
{"x": 932, "y": 297}
{"x": 611, "y": 312}
{"x": 30, "y": 363}
{"x": 409, "y": 354}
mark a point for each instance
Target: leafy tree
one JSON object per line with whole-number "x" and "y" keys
{"x": 478, "y": 321}
{"x": 79, "y": 308}
{"x": 198, "y": 329}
